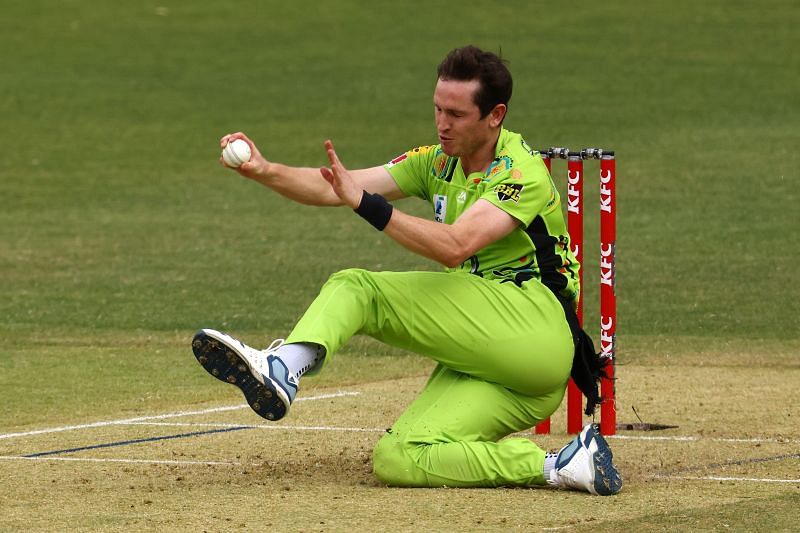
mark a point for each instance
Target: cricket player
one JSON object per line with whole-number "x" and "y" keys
{"x": 499, "y": 319}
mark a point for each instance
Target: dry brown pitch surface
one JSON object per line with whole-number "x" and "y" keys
{"x": 733, "y": 462}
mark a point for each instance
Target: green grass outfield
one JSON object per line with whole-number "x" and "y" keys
{"x": 120, "y": 235}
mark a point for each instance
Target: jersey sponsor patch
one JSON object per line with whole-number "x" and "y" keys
{"x": 508, "y": 191}
{"x": 420, "y": 150}
{"x": 439, "y": 207}
{"x": 399, "y": 159}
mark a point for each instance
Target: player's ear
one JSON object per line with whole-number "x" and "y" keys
{"x": 497, "y": 115}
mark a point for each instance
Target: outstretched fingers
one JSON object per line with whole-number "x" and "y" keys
{"x": 327, "y": 174}
{"x": 340, "y": 179}
{"x": 336, "y": 172}
{"x": 333, "y": 158}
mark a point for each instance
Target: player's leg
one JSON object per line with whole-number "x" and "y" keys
{"x": 498, "y": 332}
{"x": 451, "y": 436}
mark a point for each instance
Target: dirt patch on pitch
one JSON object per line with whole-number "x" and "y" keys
{"x": 736, "y": 439}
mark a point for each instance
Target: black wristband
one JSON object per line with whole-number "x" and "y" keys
{"x": 374, "y": 209}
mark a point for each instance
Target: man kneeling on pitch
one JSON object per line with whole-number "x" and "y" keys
{"x": 499, "y": 320}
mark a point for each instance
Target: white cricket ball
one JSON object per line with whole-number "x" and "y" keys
{"x": 236, "y": 153}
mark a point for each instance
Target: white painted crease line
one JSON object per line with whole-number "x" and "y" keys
{"x": 380, "y": 430}
{"x": 678, "y": 438}
{"x": 720, "y": 478}
{"x": 325, "y": 396}
{"x": 259, "y": 426}
{"x": 689, "y": 438}
{"x": 113, "y": 460}
{"x": 161, "y": 417}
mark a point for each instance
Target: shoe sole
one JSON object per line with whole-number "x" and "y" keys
{"x": 607, "y": 480}
{"x": 226, "y": 364}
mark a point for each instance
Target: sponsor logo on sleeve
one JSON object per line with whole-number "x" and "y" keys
{"x": 399, "y": 159}
{"x": 420, "y": 150}
{"x": 508, "y": 191}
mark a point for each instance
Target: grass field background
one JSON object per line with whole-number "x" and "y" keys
{"x": 120, "y": 235}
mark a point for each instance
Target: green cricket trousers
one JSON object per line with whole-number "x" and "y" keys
{"x": 504, "y": 353}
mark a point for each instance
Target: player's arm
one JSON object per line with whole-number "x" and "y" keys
{"x": 306, "y": 185}
{"x": 450, "y": 245}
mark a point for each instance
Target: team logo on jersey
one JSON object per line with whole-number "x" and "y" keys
{"x": 508, "y": 191}
{"x": 499, "y": 165}
{"x": 439, "y": 207}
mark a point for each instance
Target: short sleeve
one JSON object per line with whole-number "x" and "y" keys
{"x": 411, "y": 171}
{"x": 524, "y": 192}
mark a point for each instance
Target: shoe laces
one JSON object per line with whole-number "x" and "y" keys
{"x": 277, "y": 343}
{"x": 259, "y": 357}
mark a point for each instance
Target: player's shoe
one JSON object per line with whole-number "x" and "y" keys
{"x": 586, "y": 464}
{"x": 267, "y": 384}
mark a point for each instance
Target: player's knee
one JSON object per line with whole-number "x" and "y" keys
{"x": 392, "y": 465}
{"x": 348, "y": 275}
{"x": 352, "y": 277}
{"x": 353, "y": 280}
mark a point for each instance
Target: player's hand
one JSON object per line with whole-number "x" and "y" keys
{"x": 343, "y": 184}
{"x": 254, "y": 169}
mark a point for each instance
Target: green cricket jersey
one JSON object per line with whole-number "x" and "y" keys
{"x": 517, "y": 182}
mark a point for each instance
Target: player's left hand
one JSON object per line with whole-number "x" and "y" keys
{"x": 340, "y": 179}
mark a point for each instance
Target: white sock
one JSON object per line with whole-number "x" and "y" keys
{"x": 550, "y": 466}
{"x": 301, "y": 357}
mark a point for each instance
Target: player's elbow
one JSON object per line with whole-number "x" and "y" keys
{"x": 456, "y": 254}
{"x": 451, "y": 262}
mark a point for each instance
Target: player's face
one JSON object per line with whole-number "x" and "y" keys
{"x": 459, "y": 125}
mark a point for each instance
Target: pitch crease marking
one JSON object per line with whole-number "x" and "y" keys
{"x": 159, "y": 417}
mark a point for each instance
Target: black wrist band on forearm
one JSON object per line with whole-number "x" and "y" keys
{"x": 374, "y": 209}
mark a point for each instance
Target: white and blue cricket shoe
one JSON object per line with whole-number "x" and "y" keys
{"x": 263, "y": 378}
{"x": 586, "y": 464}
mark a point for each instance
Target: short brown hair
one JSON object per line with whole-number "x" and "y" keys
{"x": 471, "y": 63}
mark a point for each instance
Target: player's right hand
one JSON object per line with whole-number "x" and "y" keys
{"x": 255, "y": 168}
